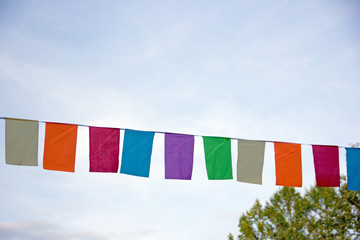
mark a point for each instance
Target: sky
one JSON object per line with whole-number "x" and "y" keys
{"x": 259, "y": 70}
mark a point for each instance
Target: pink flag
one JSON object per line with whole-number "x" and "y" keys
{"x": 326, "y": 161}
{"x": 104, "y": 149}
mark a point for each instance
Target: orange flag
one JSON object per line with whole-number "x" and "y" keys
{"x": 288, "y": 164}
{"x": 60, "y": 147}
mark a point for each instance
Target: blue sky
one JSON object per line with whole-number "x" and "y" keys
{"x": 270, "y": 70}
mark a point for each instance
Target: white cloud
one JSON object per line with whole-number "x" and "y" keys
{"x": 258, "y": 71}
{"x": 43, "y": 231}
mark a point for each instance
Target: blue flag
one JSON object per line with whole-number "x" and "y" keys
{"x": 136, "y": 155}
{"x": 353, "y": 166}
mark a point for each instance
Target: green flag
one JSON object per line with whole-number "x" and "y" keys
{"x": 218, "y": 157}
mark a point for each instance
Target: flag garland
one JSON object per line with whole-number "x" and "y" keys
{"x": 250, "y": 161}
{"x": 288, "y": 164}
{"x": 21, "y": 140}
{"x": 104, "y": 149}
{"x": 326, "y": 161}
{"x": 136, "y": 155}
{"x": 60, "y": 147}
{"x": 179, "y": 156}
{"x": 353, "y": 166}
{"x": 218, "y": 158}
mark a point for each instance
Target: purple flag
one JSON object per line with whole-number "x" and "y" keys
{"x": 104, "y": 149}
{"x": 179, "y": 155}
{"x": 326, "y": 161}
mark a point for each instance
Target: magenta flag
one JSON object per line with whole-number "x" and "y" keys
{"x": 104, "y": 149}
{"x": 326, "y": 161}
{"x": 179, "y": 154}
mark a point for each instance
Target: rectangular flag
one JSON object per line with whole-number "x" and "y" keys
{"x": 136, "y": 155}
{"x": 104, "y": 149}
{"x": 60, "y": 147}
{"x": 326, "y": 161}
{"x": 353, "y": 168}
{"x": 179, "y": 154}
{"x": 218, "y": 157}
{"x": 21, "y": 142}
{"x": 288, "y": 166}
{"x": 250, "y": 161}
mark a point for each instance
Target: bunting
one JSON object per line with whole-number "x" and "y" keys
{"x": 250, "y": 161}
{"x": 179, "y": 153}
{"x": 21, "y": 148}
{"x": 104, "y": 149}
{"x": 218, "y": 158}
{"x": 21, "y": 142}
{"x": 353, "y": 168}
{"x": 136, "y": 155}
{"x": 326, "y": 161}
{"x": 60, "y": 147}
{"x": 288, "y": 164}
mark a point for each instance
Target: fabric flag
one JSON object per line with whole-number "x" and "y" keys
{"x": 353, "y": 168}
{"x": 104, "y": 149}
{"x": 218, "y": 157}
{"x": 288, "y": 165}
{"x": 60, "y": 147}
{"x": 21, "y": 142}
{"x": 136, "y": 155}
{"x": 326, "y": 161}
{"x": 250, "y": 161}
{"x": 179, "y": 154}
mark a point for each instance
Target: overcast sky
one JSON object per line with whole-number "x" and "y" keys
{"x": 268, "y": 70}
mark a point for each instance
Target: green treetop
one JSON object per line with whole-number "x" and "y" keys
{"x": 321, "y": 213}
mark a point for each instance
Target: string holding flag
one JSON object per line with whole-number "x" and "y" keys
{"x": 21, "y": 140}
{"x": 353, "y": 166}
{"x": 179, "y": 156}
{"x": 218, "y": 157}
{"x": 104, "y": 149}
{"x": 288, "y": 165}
{"x": 60, "y": 147}
{"x": 326, "y": 161}
{"x": 136, "y": 155}
{"x": 250, "y": 161}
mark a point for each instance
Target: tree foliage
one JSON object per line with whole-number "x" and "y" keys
{"x": 321, "y": 213}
